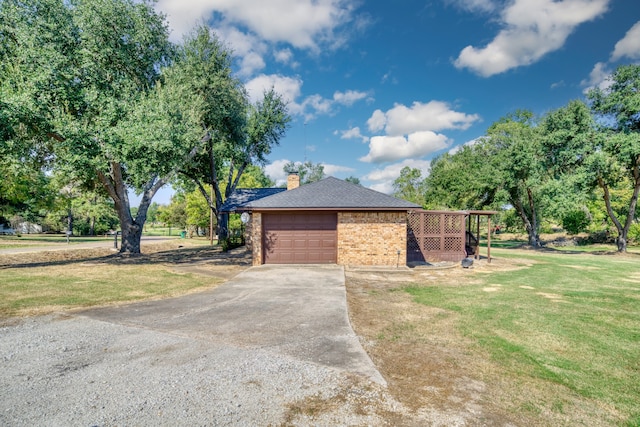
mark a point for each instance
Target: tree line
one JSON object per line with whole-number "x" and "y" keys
{"x": 578, "y": 166}
{"x": 95, "y": 97}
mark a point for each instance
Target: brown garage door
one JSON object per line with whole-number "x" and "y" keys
{"x": 300, "y": 238}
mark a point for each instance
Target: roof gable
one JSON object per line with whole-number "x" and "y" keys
{"x": 331, "y": 193}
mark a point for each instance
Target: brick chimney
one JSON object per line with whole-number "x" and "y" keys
{"x": 293, "y": 181}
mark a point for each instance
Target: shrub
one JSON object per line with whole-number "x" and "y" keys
{"x": 576, "y": 221}
{"x": 634, "y": 233}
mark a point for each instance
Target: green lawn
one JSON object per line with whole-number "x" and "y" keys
{"x": 39, "y": 290}
{"x": 569, "y": 319}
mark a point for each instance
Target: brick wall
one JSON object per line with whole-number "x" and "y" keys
{"x": 256, "y": 238}
{"x": 372, "y": 238}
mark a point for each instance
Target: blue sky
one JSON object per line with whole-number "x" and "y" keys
{"x": 374, "y": 86}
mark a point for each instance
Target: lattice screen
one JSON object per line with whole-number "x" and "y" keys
{"x": 435, "y": 236}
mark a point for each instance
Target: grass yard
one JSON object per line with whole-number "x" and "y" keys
{"x": 567, "y": 320}
{"x": 38, "y": 290}
{"x": 46, "y": 282}
{"x": 28, "y": 240}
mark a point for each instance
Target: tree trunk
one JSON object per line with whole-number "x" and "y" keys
{"x": 69, "y": 221}
{"x": 117, "y": 189}
{"x": 621, "y": 240}
{"x": 531, "y": 225}
{"x": 223, "y": 226}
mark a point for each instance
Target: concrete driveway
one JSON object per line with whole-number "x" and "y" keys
{"x": 298, "y": 311}
{"x": 246, "y": 353}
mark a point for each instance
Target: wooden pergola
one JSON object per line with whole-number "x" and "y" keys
{"x": 475, "y": 215}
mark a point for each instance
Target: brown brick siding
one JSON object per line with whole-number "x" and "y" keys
{"x": 372, "y": 238}
{"x": 256, "y": 237}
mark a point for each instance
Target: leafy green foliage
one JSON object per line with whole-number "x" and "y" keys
{"x": 174, "y": 215}
{"x": 575, "y": 222}
{"x": 409, "y": 186}
{"x": 617, "y": 155}
{"x": 308, "y": 171}
{"x": 352, "y": 179}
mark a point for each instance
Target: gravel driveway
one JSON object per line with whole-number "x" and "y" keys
{"x": 259, "y": 350}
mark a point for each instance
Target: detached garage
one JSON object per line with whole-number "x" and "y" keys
{"x": 328, "y": 222}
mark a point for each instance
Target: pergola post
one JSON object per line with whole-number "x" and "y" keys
{"x": 489, "y": 239}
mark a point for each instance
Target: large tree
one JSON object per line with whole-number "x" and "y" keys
{"x": 568, "y": 137}
{"x": 82, "y": 77}
{"x": 515, "y": 156}
{"x": 239, "y": 134}
{"x": 617, "y": 157}
{"x": 462, "y": 180}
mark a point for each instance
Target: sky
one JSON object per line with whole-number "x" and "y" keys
{"x": 373, "y": 86}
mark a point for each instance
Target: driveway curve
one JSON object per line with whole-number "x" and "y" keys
{"x": 297, "y": 311}
{"x": 245, "y": 353}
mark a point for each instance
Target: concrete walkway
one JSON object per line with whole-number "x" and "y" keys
{"x": 296, "y": 311}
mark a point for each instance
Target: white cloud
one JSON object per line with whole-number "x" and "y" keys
{"x": 597, "y": 77}
{"x": 629, "y": 46}
{"x": 289, "y": 88}
{"x": 412, "y": 131}
{"x": 275, "y": 171}
{"x": 433, "y": 116}
{"x": 457, "y": 148}
{"x": 332, "y": 170}
{"x": 315, "y": 105}
{"x": 377, "y": 121}
{"x": 305, "y": 24}
{"x": 349, "y": 97}
{"x": 391, "y": 148}
{"x": 475, "y": 5}
{"x": 250, "y": 64}
{"x": 283, "y": 56}
{"x": 533, "y": 28}
{"x": 353, "y": 133}
{"x": 383, "y": 178}
{"x": 184, "y": 15}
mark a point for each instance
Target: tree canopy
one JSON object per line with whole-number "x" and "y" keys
{"x": 95, "y": 90}
{"x": 575, "y": 165}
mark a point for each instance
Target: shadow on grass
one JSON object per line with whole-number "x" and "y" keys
{"x": 179, "y": 256}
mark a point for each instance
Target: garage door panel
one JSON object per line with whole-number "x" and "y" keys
{"x": 300, "y": 238}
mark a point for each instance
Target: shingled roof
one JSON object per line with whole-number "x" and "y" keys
{"x": 242, "y": 196}
{"x": 332, "y": 194}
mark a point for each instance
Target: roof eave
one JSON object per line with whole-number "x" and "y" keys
{"x": 332, "y": 209}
